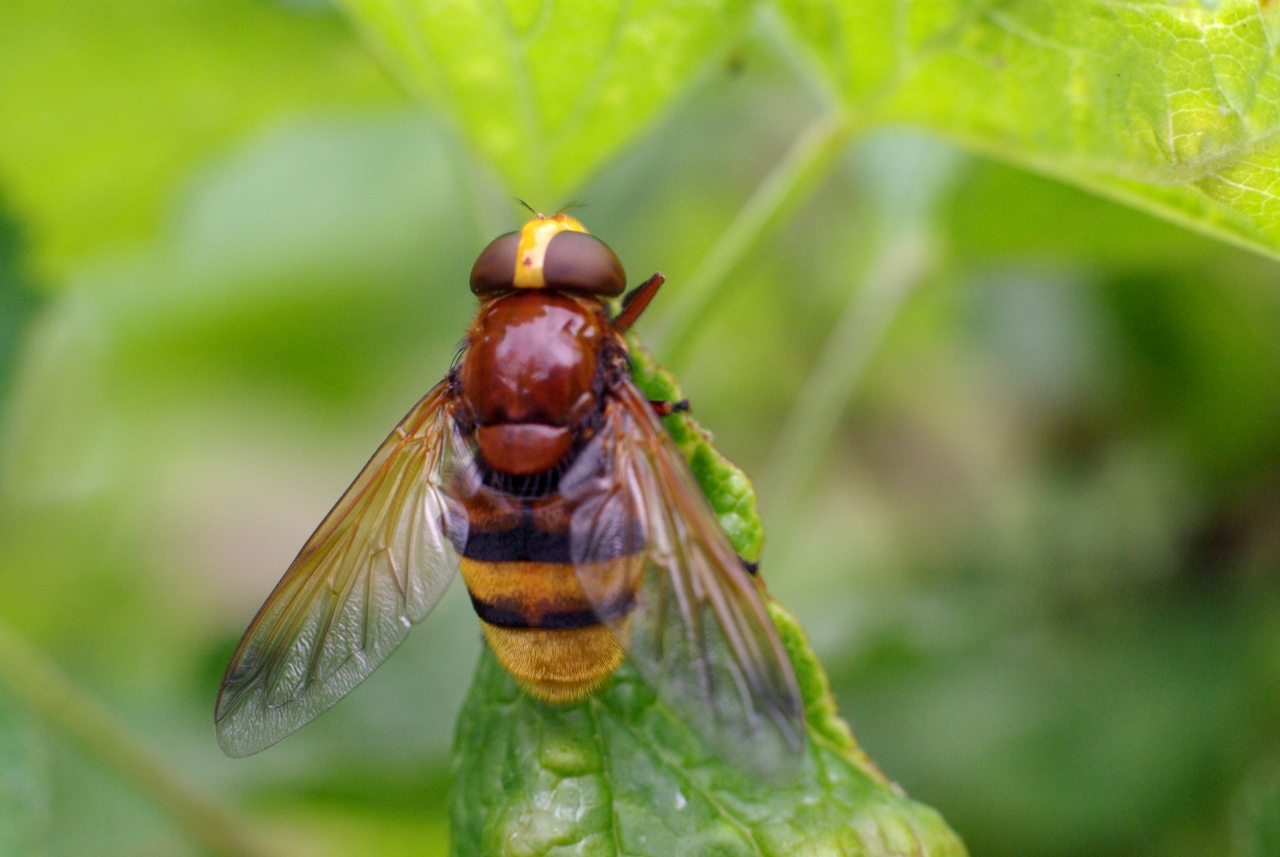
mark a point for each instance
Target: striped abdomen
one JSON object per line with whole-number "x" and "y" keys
{"x": 528, "y": 593}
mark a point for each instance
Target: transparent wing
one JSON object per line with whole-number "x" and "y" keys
{"x": 376, "y": 565}
{"x": 698, "y": 631}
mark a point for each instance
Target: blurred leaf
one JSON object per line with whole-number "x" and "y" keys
{"x": 547, "y": 91}
{"x": 106, "y": 107}
{"x": 301, "y": 259}
{"x": 341, "y": 828}
{"x": 1090, "y": 737}
{"x": 1172, "y": 107}
{"x": 1001, "y": 214}
{"x": 1204, "y": 355}
{"x": 619, "y": 773}
{"x": 1258, "y": 816}
{"x": 18, "y": 298}
{"x": 24, "y": 784}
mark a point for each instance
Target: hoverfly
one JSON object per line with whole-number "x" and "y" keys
{"x": 540, "y": 470}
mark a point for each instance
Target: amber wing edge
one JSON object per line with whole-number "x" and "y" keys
{"x": 375, "y": 566}
{"x": 699, "y": 632}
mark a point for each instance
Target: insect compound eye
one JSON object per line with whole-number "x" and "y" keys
{"x": 579, "y": 262}
{"x": 495, "y": 268}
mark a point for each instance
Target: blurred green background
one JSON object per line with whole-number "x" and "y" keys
{"x": 1038, "y": 553}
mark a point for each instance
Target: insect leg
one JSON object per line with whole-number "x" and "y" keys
{"x": 663, "y": 408}
{"x": 635, "y": 302}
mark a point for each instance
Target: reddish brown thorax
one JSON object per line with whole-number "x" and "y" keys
{"x": 529, "y": 374}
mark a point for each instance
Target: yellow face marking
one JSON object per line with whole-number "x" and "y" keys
{"x": 531, "y": 250}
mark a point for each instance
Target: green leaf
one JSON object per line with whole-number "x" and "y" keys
{"x": 546, "y": 91}
{"x": 1171, "y": 107}
{"x": 618, "y": 774}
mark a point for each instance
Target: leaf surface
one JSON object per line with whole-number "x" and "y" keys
{"x": 547, "y": 90}
{"x": 1170, "y": 107}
